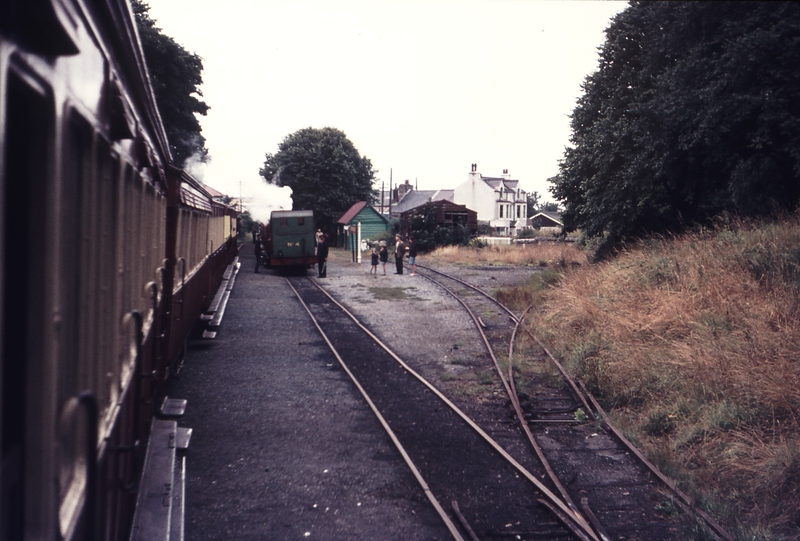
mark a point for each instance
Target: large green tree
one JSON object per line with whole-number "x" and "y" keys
{"x": 694, "y": 111}
{"x": 324, "y": 170}
{"x": 176, "y": 77}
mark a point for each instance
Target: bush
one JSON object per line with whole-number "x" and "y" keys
{"x": 429, "y": 236}
{"x": 246, "y": 225}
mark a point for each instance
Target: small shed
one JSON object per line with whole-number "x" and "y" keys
{"x": 447, "y": 214}
{"x": 372, "y": 224}
{"x": 546, "y": 219}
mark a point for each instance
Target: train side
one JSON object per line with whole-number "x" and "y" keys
{"x": 289, "y": 239}
{"x": 109, "y": 254}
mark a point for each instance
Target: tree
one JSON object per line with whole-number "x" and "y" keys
{"x": 692, "y": 112}
{"x": 176, "y": 76}
{"x": 429, "y": 235}
{"x": 324, "y": 170}
{"x": 246, "y": 226}
{"x": 533, "y": 203}
{"x": 549, "y": 206}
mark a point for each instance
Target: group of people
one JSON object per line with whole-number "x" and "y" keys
{"x": 401, "y": 250}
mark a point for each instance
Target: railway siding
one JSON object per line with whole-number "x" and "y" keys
{"x": 624, "y": 496}
{"x": 430, "y": 331}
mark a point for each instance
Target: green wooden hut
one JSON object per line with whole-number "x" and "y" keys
{"x": 372, "y": 223}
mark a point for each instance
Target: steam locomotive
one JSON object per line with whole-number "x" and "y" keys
{"x": 109, "y": 255}
{"x": 289, "y": 240}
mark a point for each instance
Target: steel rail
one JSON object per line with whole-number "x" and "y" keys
{"x": 580, "y": 524}
{"x": 512, "y": 395}
{"x": 683, "y": 500}
{"x": 584, "y": 501}
{"x": 421, "y": 480}
{"x": 575, "y": 391}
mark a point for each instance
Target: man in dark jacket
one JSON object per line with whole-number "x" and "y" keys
{"x": 322, "y": 257}
{"x": 399, "y": 253}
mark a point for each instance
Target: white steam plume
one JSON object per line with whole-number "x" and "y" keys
{"x": 264, "y": 198}
{"x": 259, "y": 198}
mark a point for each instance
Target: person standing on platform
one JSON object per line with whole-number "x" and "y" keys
{"x": 412, "y": 255}
{"x": 259, "y": 251}
{"x": 374, "y": 261}
{"x": 317, "y": 239}
{"x": 322, "y": 257}
{"x": 399, "y": 253}
{"x": 383, "y": 255}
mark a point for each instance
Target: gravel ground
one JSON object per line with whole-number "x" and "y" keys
{"x": 423, "y": 324}
{"x": 283, "y": 446}
{"x": 430, "y": 330}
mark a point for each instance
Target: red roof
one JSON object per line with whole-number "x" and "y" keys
{"x": 352, "y": 212}
{"x": 212, "y": 192}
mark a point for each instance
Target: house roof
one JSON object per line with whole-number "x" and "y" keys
{"x": 355, "y": 210}
{"x": 554, "y": 216}
{"x": 506, "y": 184}
{"x": 413, "y": 199}
{"x": 446, "y": 195}
{"x": 351, "y": 212}
{"x": 494, "y": 182}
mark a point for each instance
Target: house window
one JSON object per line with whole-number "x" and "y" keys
{"x": 519, "y": 212}
{"x": 501, "y": 211}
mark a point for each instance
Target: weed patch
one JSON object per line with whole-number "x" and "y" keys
{"x": 392, "y": 293}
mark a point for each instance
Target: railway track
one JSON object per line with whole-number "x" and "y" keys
{"x": 552, "y": 435}
{"x": 588, "y": 461}
{"x": 480, "y": 491}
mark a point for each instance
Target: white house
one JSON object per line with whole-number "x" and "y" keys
{"x": 497, "y": 200}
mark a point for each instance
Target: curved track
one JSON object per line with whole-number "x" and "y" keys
{"x": 480, "y": 491}
{"x": 614, "y": 483}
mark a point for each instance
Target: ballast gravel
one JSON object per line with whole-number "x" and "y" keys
{"x": 283, "y": 447}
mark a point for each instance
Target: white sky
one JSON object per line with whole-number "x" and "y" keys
{"x": 422, "y": 87}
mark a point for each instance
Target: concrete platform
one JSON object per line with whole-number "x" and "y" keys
{"x": 283, "y": 447}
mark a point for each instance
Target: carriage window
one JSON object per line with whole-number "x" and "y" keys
{"x": 284, "y": 221}
{"x": 301, "y": 221}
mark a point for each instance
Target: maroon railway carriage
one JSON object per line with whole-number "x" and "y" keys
{"x": 109, "y": 254}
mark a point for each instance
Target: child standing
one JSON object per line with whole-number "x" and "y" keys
{"x": 384, "y": 256}
{"x": 374, "y": 260}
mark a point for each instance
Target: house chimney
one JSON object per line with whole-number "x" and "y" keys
{"x": 403, "y": 189}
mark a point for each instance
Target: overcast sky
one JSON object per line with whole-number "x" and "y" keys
{"x": 423, "y": 88}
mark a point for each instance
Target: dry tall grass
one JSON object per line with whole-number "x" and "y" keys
{"x": 547, "y": 254}
{"x": 693, "y": 344}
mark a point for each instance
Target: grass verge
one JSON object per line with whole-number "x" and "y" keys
{"x": 692, "y": 343}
